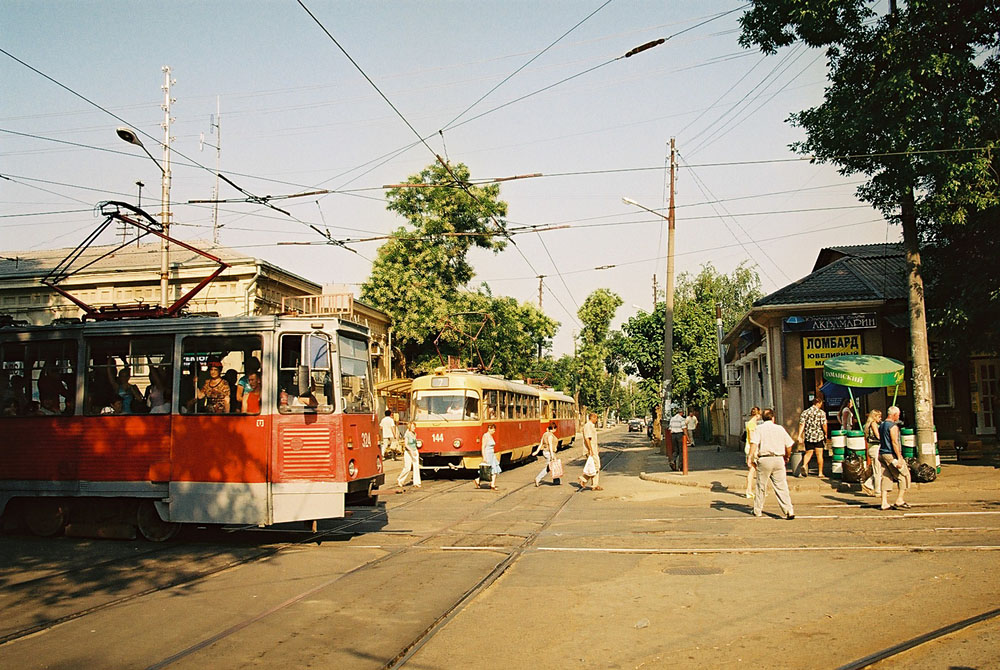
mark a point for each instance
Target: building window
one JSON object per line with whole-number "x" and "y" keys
{"x": 944, "y": 395}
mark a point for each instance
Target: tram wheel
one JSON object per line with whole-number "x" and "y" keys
{"x": 151, "y": 526}
{"x": 45, "y": 517}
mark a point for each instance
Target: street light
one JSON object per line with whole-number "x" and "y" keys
{"x": 668, "y": 325}
{"x": 130, "y": 136}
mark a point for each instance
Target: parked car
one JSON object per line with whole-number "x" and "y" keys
{"x": 636, "y": 425}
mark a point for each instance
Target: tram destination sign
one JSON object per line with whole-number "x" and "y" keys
{"x": 813, "y": 324}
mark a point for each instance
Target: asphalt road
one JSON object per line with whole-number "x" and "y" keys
{"x": 640, "y": 575}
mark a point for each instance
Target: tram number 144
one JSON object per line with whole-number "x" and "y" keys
{"x": 437, "y": 437}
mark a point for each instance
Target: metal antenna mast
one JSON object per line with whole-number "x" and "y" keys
{"x": 216, "y": 129}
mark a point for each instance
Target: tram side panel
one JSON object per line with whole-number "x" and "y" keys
{"x": 219, "y": 469}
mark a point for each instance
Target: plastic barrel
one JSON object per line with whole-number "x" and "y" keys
{"x": 837, "y": 466}
{"x": 856, "y": 443}
{"x": 838, "y": 438}
{"x": 909, "y": 441}
{"x": 937, "y": 453}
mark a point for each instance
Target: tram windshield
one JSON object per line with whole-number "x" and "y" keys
{"x": 354, "y": 384}
{"x": 445, "y": 406}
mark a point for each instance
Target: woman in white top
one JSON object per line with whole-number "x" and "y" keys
{"x": 549, "y": 446}
{"x": 751, "y": 428}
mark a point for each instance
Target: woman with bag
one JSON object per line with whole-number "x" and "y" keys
{"x": 549, "y": 445}
{"x": 490, "y": 463}
{"x": 873, "y": 485}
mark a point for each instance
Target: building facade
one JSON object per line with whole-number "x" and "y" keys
{"x": 853, "y": 302}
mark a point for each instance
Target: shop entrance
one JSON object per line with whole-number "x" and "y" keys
{"x": 986, "y": 386}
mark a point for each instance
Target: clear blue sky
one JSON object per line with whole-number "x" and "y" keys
{"x": 296, "y": 114}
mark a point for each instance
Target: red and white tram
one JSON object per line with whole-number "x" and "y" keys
{"x": 453, "y": 408}
{"x": 147, "y": 424}
{"x": 561, "y": 408}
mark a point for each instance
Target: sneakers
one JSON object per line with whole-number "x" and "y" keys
{"x": 790, "y": 517}
{"x": 557, "y": 481}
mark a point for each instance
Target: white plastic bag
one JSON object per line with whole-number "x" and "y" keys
{"x": 590, "y": 469}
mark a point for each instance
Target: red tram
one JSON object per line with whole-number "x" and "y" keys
{"x": 112, "y": 427}
{"x": 453, "y": 408}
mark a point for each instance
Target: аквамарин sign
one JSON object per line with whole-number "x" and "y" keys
{"x": 806, "y": 324}
{"x": 818, "y": 348}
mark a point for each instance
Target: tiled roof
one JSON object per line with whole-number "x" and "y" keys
{"x": 145, "y": 256}
{"x": 863, "y": 272}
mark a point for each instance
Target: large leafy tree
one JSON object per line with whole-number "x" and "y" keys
{"x": 595, "y": 382}
{"x": 911, "y": 104}
{"x": 696, "y": 379}
{"x": 417, "y": 274}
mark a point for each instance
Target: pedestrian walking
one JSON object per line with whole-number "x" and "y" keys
{"x": 873, "y": 485}
{"x": 771, "y": 448}
{"x": 751, "y": 430}
{"x": 894, "y": 466}
{"x": 676, "y": 428}
{"x": 592, "y": 470}
{"x": 813, "y": 431}
{"x": 549, "y": 446}
{"x": 387, "y": 427}
{"x": 488, "y": 446}
{"x": 411, "y": 458}
{"x": 691, "y": 424}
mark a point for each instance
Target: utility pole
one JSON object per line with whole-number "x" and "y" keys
{"x": 540, "y": 279}
{"x": 668, "y": 326}
{"x": 165, "y": 190}
{"x": 668, "y": 321}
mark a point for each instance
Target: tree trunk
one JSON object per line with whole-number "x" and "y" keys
{"x": 922, "y": 390}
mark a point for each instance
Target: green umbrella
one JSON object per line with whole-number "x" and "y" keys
{"x": 863, "y": 371}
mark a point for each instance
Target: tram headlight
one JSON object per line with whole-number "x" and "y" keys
{"x": 456, "y": 443}
{"x": 352, "y": 469}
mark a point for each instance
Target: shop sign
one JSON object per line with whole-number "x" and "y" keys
{"x": 799, "y": 324}
{"x": 818, "y": 348}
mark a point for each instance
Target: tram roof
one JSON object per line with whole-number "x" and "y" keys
{"x": 193, "y": 324}
{"x": 468, "y": 379}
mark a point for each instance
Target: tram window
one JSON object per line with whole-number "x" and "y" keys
{"x": 354, "y": 380}
{"x": 38, "y": 378}
{"x": 128, "y": 375}
{"x": 221, "y": 375}
{"x": 446, "y": 406}
{"x": 315, "y": 351}
{"x": 490, "y": 405}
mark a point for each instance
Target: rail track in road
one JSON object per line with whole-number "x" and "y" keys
{"x": 308, "y": 537}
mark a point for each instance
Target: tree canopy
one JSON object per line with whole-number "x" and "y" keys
{"x": 696, "y": 376}
{"x": 419, "y": 277}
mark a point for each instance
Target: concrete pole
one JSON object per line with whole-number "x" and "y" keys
{"x": 668, "y": 321}
{"x": 165, "y": 192}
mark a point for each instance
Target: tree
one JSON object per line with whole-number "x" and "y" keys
{"x": 596, "y": 313}
{"x": 911, "y": 104}
{"x": 696, "y": 376}
{"x": 416, "y": 274}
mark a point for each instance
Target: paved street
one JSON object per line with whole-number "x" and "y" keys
{"x": 647, "y": 573}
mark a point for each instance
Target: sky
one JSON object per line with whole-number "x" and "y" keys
{"x": 304, "y": 110}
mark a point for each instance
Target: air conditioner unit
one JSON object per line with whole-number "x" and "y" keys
{"x": 732, "y": 375}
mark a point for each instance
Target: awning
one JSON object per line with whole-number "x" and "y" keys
{"x": 397, "y": 386}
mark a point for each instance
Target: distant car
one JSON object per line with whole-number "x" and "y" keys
{"x": 636, "y": 425}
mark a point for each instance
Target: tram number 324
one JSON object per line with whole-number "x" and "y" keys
{"x": 366, "y": 440}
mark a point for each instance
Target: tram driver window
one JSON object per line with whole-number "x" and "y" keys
{"x": 315, "y": 351}
{"x": 221, "y": 375}
{"x": 38, "y": 378}
{"x": 354, "y": 378}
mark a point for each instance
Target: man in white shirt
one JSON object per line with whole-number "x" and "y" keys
{"x": 770, "y": 448}
{"x": 676, "y": 427}
{"x": 590, "y": 444}
{"x": 388, "y": 429}
{"x": 691, "y": 424}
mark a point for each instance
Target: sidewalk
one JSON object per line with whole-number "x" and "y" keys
{"x": 725, "y": 470}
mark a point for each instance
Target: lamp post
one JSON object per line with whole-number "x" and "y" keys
{"x": 129, "y": 135}
{"x": 668, "y": 325}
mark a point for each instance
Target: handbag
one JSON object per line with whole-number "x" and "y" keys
{"x": 590, "y": 469}
{"x": 556, "y": 468}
